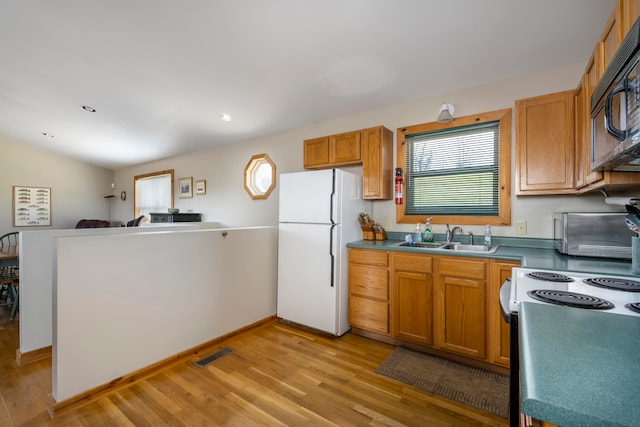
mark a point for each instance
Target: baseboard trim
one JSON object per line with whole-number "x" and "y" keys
{"x": 55, "y": 408}
{"x": 32, "y": 356}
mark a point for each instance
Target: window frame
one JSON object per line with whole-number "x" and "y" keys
{"x": 254, "y": 164}
{"x": 136, "y": 213}
{"x": 504, "y": 117}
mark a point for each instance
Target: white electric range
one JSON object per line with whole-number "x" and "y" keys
{"x": 603, "y": 292}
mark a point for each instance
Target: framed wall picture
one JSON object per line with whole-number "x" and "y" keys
{"x": 185, "y": 190}
{"x": 31, "y": 206}
{"x": 201, "y": 187}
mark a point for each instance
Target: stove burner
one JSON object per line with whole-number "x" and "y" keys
{"x": 571, "y": 299}
{"x": 549, "y": 276}
{"x": 634, "y": 306}
{"x": 614, "y": 283}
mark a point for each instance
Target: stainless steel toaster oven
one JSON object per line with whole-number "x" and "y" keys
{"x": 591, "y": 234}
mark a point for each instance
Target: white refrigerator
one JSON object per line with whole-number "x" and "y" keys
{"x": 318, "y": 217}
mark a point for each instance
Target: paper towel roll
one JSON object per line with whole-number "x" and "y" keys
{"x": 621, "y": 201}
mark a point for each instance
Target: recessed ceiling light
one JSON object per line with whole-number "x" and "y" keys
{"x": 225, "y": 117}
{"x": 89, "y": 109}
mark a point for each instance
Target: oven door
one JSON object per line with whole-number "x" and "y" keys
{"x": 511, "y": 317}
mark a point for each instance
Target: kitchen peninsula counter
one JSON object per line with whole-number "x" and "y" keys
{"x": 579, "y": 367}
{"x": 532, "y": 253}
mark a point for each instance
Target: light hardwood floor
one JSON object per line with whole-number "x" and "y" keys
{"x": 278, "y": 375}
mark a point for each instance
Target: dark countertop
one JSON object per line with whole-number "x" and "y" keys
{"x": 579, "y": 367}
{"x": 532, "y": 253}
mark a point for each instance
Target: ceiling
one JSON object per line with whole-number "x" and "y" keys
{"x": 160, "y": 72}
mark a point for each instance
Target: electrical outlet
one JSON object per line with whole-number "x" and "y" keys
{"x": 387, "y": 225}
{"x": 521, "y": 227}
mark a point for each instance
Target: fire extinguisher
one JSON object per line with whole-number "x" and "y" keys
{"x": 399, "y": 182}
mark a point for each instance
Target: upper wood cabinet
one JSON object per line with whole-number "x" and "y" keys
{"x": 545, "y": 146}
{"x": 377, "y": 164}
{"x": 630, "y": 13}
{"x": 372, "y": 147}
{"x": 613, "y": 33}
{"x": 316, "y": 152}
{"x": 334, "y": 150}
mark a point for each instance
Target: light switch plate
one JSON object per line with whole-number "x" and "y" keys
{"x": 521, "y": 227}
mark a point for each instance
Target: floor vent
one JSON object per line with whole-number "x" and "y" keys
{"x": 201, "y": 363}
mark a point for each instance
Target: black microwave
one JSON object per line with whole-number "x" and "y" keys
{"x": 615, "y": 110}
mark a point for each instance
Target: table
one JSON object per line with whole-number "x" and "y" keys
{"x": 8, "y": 255}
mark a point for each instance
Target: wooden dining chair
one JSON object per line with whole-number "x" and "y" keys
{"x": 9, "y": 239}
{"x": 9, "y": 282}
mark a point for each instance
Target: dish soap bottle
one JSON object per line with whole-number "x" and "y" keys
{"x": 487, "y": 235}
{"x": 417, "y": 237}
{"x": 427, "y": 236}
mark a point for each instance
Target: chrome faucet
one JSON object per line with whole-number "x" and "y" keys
{"x": 450, "y": 233}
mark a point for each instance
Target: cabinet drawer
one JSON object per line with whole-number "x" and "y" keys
{"x": 467, "y": 268}
{"x": 369, "y": 314}
{"x": 412, "y": 262}
{"x": 364, "y": 256}
{"x": 368, "y": 281}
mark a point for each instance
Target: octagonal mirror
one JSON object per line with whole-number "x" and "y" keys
{"x": 259, "y": 176}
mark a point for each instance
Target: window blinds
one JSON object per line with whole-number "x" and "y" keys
{"x": 453, "y": 171}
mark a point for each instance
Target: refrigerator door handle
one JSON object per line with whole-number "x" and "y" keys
{"x": 333, "y": 196}
{"x": 332, "y": 255}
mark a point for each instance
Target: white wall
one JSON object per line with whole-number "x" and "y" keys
{"x": 222, "y": 167}
{"x": 37, "y": 256}
{"x": 77, "y": 189}
{"x": 127, "y": 301}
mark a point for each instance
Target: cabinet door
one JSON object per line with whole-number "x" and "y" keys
{"x": 413, "y": 296}
{"x": 460, "y": 306}
{"x": 631, "y": 12}
{"x": 316, "y": 152}
{"x": 612, "y": 34}
{"x": 499, "y": 340}
{"x": 377, "y": 165}
{"x": 545, "y": 149}
{"x": 345, "y": 148}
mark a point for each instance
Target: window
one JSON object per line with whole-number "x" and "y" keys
{"x": 458, "y": 172}
{"x": 153, "y": 192}
{"x": 259, "y": 176}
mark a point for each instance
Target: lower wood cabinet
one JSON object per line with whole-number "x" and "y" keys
{"x": 369, "y": 290}
{"x": 448, "y": 303}
{"x": 412, "y": 297}
{"x": 499, "y": 272}
{"x": 460, "y": 315}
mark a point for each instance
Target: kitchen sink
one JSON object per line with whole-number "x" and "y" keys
{"x": 468, "y": 248}
{"x": 428, "y": 245}
{"x": 452, "y": 246}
